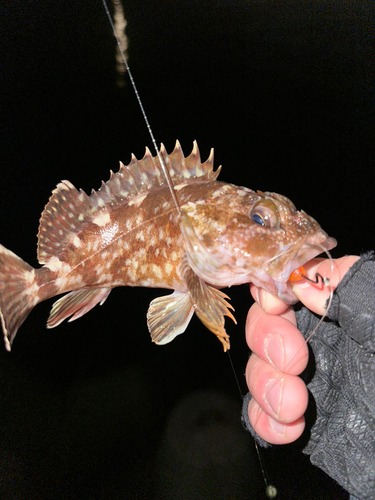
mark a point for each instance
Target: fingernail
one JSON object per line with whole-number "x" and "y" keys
{"x": 263, "y": 298}
{"x": 275, "y": 351}
{"x": 274, "y": 394}
{"x": 276, "y": 426}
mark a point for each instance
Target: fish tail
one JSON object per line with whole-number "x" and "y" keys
{"x": 18, "y": 293}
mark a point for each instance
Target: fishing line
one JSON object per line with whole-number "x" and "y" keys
{"x": 157, "y": 151}
{"x": 325, "y": 282}
{"x": 271, "y": 491}
{"x": 269, "y": 487}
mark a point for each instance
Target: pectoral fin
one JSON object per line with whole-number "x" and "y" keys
{"x": 76, "y": 304}
{"x": 169, "y": 316}
{"x": 209, "y": 303}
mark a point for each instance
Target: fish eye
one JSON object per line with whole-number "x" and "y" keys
{"x": 265, "y": 213}
{"x": 258, "y": 219}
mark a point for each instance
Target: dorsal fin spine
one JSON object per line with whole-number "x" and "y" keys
{"x": 141, "y": 176}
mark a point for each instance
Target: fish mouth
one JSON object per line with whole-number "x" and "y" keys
{"x": 308, "y": 251}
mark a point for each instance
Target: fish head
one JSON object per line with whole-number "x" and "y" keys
{"x": 237, "y": 236}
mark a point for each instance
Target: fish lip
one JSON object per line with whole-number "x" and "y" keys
{"x": 308, "y": 251}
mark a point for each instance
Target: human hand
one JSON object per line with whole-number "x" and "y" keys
{"x": 280, "y": 353}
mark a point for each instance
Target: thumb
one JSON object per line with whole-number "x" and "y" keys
{"x": 314, "y": 296}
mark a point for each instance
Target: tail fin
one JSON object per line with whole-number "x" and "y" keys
{"x": 18, "y": 293}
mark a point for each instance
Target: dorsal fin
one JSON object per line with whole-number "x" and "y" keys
{"x": 69, "y": 208}
{"x": 66, "y": 210}
{"x": 140, "y": 176}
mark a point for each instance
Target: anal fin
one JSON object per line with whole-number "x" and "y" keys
{"x": 169, "y": 316}
{"x": 76, "y": 304}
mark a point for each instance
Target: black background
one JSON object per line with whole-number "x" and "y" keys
{"x": 284, "y": 92}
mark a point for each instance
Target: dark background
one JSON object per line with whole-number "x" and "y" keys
{"x": 284, "y": 92}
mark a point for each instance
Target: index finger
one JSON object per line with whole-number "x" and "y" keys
{"x": 270, "y": 303}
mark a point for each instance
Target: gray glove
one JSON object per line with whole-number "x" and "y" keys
{"x": 342, "y": 441}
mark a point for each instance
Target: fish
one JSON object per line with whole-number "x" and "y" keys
{"x": 131, "y": 233}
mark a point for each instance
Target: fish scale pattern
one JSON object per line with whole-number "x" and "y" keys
{"x": 130, "y": 233}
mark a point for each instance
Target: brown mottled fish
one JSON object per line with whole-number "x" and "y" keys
{"x": 130, "y": 233}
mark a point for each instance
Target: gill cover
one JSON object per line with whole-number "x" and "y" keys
{"x": 201, "y": 259}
